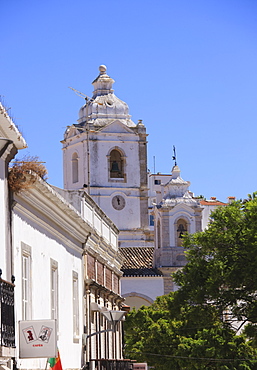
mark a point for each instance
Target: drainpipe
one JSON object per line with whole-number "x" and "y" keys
{"x": 7, "y": 153}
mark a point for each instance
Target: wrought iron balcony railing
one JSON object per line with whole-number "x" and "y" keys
{"x": 7, "y": 313}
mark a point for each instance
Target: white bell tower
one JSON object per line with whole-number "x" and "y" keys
{"x": 105, "y": 154}
{"x": 178, "y": 213}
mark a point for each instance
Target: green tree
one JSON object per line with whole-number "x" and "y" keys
{"x": 197, "y": 326}
{"x": 222, "y": 263}
{"x": 187, "y": 337}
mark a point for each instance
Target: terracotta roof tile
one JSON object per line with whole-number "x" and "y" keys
{"x": 137, "y": 257}
{"x": 138, "y": 261}
{"x": 212, "y": 203}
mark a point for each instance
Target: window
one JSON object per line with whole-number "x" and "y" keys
{"x": 157, "y": 182}
{"x": 54, "y": 291}
{"x": 75, "y": 168}
{"x": 75, "y": 292}
{"x": 151, "y": 220}
{"x": 116, "y": 164}
{"x": 181, "y": 229}
{"x": 26, "y": 281}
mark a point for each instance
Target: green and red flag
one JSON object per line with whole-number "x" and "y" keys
{"x": 55, "y": 362}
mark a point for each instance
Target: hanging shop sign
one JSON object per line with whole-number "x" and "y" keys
{"x": 37, "y": 339}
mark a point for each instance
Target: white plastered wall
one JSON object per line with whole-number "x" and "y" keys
{"x": 101, "y": 188}
{"x": 44, "y": 246}
{"x": 141, "y": 289}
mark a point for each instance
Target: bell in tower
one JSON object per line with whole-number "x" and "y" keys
{"x": 115, "y": 167}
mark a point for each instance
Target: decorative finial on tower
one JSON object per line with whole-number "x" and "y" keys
{"x": 102, "y": 69}
{"x": 174, "y": 157}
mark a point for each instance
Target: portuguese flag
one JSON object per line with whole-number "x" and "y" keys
{"x": 55, "y": 363}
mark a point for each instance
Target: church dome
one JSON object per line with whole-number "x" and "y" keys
{"x": 176, "y": 191}
{"x": 104, "y": 106}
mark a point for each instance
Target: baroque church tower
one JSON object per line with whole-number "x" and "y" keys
{"x": 178, "y": 213}
{"x": 105, "y": 154}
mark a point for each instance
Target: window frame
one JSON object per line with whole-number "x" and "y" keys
{"x": 26, "y": 282}
{"x": 75, "y": 305}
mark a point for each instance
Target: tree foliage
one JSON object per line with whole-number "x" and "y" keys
{"x": 198, "y": 327}
{"x": 168, "y": 336}
{"x": 222, "y": 262}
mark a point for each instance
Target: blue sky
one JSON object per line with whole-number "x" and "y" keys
{"x": 188, "y": 69}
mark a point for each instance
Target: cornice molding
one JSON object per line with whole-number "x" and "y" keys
{"x": 19, "y": 209}
{"x": 44, "y": 199}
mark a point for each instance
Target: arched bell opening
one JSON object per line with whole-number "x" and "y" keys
{"x": 116, "y": 164}
{"x": 181, "y": 228}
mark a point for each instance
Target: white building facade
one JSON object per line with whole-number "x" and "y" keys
{"x": 62, "y": 250}
{"x": 65, "y": 259}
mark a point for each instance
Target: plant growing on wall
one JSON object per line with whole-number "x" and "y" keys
{"x": 23, "y": 173}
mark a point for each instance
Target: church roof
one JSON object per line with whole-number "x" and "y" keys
{"x": 104, "y": 106}
{"x": 176, "y": 191}
{"x": 212, "y": 202}
{"x": 8, "y": 129}
{"x": 138, "y": 261}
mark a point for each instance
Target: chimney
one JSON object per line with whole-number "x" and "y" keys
{"x": 231, "y": 199}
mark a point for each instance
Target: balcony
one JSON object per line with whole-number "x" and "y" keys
{"x": 104, "y": 364}
{"x": 7, "y": 333}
